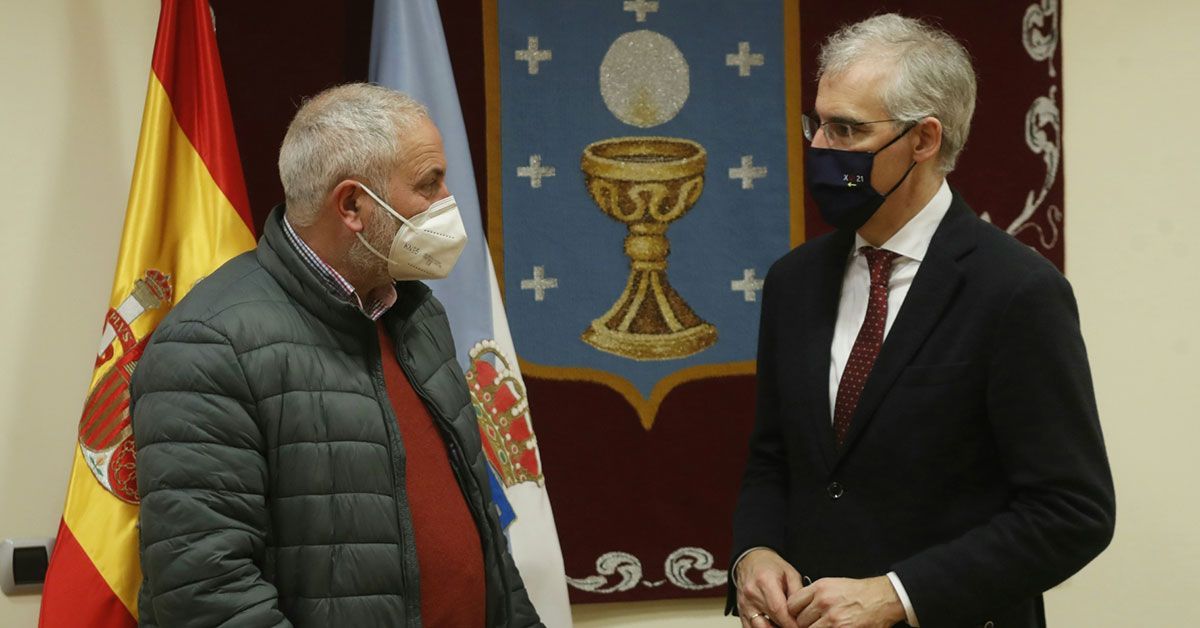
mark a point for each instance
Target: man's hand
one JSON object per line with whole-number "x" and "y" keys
{"x": 847, "y": 603}
{"x": 765, "y": 581}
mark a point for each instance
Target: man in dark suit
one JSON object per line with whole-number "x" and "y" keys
{"x": 927, "y": 448}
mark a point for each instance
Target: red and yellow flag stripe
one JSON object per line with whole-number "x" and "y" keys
{"x": 187, "y": 214}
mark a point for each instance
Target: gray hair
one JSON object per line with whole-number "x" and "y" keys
{"x": 352, "y": 131}
{"x": 932, "y": 74}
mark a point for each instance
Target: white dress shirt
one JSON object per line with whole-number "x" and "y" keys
{"x": 911, "y": 242}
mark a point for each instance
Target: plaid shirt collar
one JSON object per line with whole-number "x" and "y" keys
{"x": 377, "y": 302}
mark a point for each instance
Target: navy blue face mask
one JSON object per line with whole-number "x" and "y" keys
{"x": 840, "y": 183}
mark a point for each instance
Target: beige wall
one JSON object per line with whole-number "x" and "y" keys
{"x": 1132, "y": 86}
{"x": 72, "y": 80}
{"x": 73, "y": 74}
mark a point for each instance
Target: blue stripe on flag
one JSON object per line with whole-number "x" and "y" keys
{"x": 507, "y": 514}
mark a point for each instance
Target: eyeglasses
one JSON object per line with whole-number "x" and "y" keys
{"x": 836, "y": 133}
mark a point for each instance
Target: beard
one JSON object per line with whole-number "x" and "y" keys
{"x": 379, "y": 231}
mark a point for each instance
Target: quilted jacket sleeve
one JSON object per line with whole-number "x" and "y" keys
{"x": 202, "y": 476}
{"x": 523, "y": 615}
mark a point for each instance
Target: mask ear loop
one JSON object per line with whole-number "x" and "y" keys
{"x": 390, "y": 210}
{"x": 906, "y": 172}
{"x": 384, "y": 205}
{"x": 372, "y": 249}
{"x": 885, "y": 146}
{"x": 910, "y": 167}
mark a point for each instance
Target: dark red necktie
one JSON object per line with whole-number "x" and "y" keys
{"x": 867, "y": 344}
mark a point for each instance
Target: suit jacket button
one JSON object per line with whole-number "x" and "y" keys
{"x": 834, "y": 490}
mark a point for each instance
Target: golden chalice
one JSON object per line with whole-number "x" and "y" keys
{"x": 647, "y": 183}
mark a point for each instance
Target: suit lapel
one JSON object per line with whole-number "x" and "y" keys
{"x": 938, "y": 280}
{"x": 827, "y": 291}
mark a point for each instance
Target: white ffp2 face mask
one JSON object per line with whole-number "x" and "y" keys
{"x": 427, "y": 245}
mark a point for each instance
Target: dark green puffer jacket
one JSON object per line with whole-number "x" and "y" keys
{"x": 270, "y": 464}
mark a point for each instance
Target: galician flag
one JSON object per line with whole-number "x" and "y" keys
{"x": 187, "y": 214}
{"x": 408, "y": 53}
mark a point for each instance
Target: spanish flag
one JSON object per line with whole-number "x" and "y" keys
{"x": 187, "y": 214}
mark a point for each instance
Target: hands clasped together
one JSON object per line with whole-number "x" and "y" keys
{"x": 770, "y": 592}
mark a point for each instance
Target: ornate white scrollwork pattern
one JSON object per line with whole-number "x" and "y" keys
{"x": 628, "y": 568}
{"x": 1040, "y": 35}
{"x": 1054, "y": 218}
{"x": 1043, "y": 135}
{"x": 686, "y": 559}
{"x": 1039, "y": 31}
{"x": 626, "y": 565}
{"x": 1043, "y": 125}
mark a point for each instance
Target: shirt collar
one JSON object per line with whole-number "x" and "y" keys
{"x": 912, "y": 240}
{"x": 378, "y": 300}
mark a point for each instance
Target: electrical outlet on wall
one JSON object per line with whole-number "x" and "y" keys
{"x": 23, "y": 564}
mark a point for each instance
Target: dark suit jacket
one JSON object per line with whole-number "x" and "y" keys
{"x": 974, "y": 466}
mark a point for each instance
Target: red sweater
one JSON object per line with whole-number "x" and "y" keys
{"x": 449, "y": 552}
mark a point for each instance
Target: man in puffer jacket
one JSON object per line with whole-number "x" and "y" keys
{"x": 307, "y": 449}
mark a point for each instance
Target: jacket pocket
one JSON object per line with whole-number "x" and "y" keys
{"x": 940, "y": 374}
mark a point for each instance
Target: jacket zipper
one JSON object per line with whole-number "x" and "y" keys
{"x": 455, "y": 449}
{"x": 412, "y": 597}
